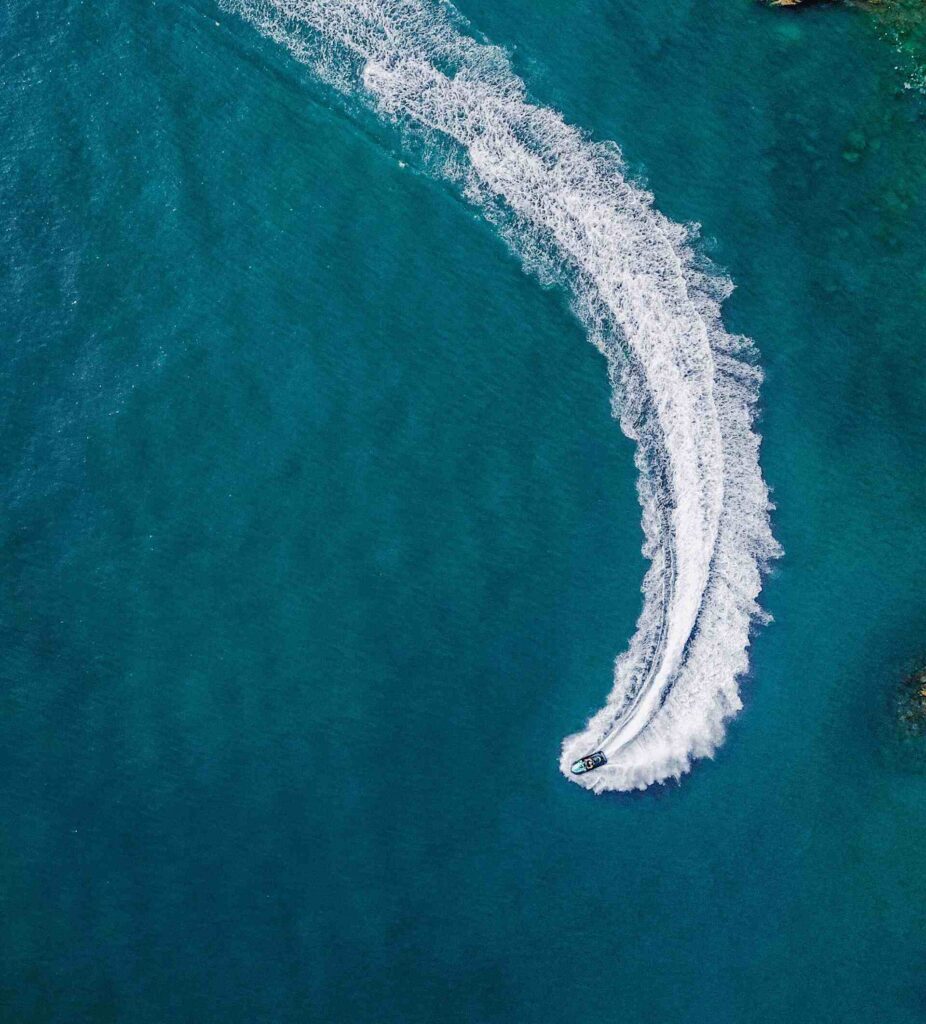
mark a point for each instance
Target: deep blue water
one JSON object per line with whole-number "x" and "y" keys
{"x": 319, "y": 536}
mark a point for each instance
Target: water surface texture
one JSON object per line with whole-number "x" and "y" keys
{"x": 684, "y": 388}
{"x": 320, "y": 532}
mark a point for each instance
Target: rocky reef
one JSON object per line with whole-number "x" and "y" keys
{"x": 902, "y": 23}
{"x": 911, "y": 704}
{"x": 901, "y": 732}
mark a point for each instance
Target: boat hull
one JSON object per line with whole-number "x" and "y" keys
{"x": 588, "y": 763}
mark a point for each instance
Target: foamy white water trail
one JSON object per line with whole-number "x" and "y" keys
{"x": 684, "y": 389}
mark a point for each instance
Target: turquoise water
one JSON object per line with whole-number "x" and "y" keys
{"x": 320, "y": 536}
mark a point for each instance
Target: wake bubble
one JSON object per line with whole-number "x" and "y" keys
{"x": 683, "y": 388}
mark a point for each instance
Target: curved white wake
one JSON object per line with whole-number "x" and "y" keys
{"x": 684, "y": 389}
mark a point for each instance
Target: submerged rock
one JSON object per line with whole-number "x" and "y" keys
{"x": 911, "y": 704}
{"x": 902, "y": 23}
{"x": 901, "y": 731}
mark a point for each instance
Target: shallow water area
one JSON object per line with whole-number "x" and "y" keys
{"x": 320, "y": 535}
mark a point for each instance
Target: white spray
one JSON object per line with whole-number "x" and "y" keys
{"x": 684, "y": 389}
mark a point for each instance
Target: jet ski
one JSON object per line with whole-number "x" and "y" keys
{"x": 589, "y": 763}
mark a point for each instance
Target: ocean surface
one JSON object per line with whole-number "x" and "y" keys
{"x": 320, "y": 533}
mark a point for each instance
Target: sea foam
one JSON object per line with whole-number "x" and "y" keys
{"x": 684, "y": 389}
